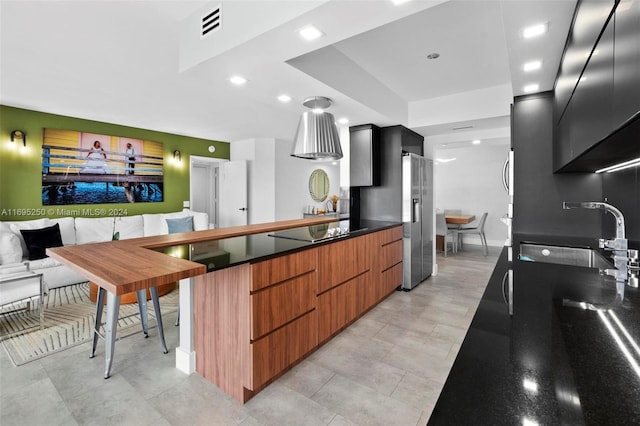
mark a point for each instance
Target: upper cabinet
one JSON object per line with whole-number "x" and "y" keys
{"x": 588, "y": 22}
{"x": 626, "y": 89}
{"x": 364, "y": 155}
{"x": 600, "y": 100}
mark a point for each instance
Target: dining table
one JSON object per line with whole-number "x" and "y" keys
{"x": 459, "y": 219}
{"x": 453, "y": 219}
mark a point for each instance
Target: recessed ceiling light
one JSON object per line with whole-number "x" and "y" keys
{"x": 399, "y": 2}
{"x": 310, "y": 33}
{"x": 343, "y": 121}
{"x": 433, "y": 55}
{"x": 529, "y": 88}
{"x": 238, "y": 80}
{"x": 284, "y": 98}
{"x": 535, "y": 30}
{"x": 445, "y": 160}
{"x": 532, "y": 66}
{"x": 476, "y": 141}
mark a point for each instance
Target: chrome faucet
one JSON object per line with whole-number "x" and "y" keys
{"x": 618, "y": 245}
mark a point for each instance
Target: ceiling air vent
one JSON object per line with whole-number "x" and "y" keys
{"x": 211, "y": 22}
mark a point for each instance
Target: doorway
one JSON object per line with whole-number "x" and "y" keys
{"x": 204, "y": 187}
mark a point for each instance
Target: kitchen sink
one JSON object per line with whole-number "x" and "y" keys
{"x": 574, "y": 256}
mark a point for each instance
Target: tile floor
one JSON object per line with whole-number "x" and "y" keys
{"x": 385, "y": 369}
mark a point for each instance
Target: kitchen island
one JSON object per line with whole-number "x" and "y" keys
{"x": 263, "y": 296}
{"x": 550, "y": 363}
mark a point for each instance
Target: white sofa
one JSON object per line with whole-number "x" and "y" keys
{"x": 80, "y": 230}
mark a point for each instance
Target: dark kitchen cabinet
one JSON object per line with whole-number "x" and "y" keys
{"x": 595, "y": 127}
{"x": 364, "y": 158}
{"x": 562, "y": 151}
{"x": 626, "y": 78}
{"x": 589, "y": 20}
{"x": 592, "y": 102}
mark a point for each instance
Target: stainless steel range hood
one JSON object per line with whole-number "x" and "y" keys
{"x": 317, "y": 135}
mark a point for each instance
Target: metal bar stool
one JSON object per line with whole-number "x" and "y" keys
{"x": 113, "y": 307}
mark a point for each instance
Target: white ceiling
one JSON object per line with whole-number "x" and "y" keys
{"x": 143, "y": 64}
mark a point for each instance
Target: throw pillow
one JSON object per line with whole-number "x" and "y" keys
{"x": 38, "y": 240}
{"x": 10, "y": 249}
{"x": 182, "y": 224}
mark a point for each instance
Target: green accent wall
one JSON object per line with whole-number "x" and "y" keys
{"x": 21, "y": 172}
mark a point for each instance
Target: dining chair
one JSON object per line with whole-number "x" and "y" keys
{"x": 449, "y": 235}
{"x": 477, "y": 230}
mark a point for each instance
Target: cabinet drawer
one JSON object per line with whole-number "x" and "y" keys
{"x": 276, "y": 270}
{"x": 341, "y": 261}
{"x": 390, "y": 254}
{"x": 339, "y": 306}
{"x": 390, "y": 280}
{"x": 389, "y": 235}
{"x": 279, "y": 304}
{"x": 275, "y": 352}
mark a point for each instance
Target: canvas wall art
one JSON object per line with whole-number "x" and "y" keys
{"x": 89, "y": 168}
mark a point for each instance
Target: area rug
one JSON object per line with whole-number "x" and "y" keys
{"x": 69, "y": 316}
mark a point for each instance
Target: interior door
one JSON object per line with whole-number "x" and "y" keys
{"x": 233, "y": 194}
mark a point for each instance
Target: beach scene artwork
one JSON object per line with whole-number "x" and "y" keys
{"x": 90, "y": 168}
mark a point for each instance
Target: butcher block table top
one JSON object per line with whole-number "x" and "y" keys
{"x": 128, "y": 265}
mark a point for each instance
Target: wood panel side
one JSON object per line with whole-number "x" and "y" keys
{"x": 275, "y": 352}
{"x": 281, "y": 303}
{"x": 221, "y": 328}
{"x": 343, "y": 260}
{"x": 273, "y": 271}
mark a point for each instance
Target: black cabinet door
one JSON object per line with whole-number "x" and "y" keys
{"x": 592, "y": 101}
{"x": 626, "y": 78}
{"x": 589, "y": 20}
{"x": 364, "y": 160}
{"x": 562, "y": 140}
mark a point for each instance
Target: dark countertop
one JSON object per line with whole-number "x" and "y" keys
{"x": 227, "y": 252}
{"x": 548, "y": 364}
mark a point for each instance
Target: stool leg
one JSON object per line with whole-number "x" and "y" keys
{"x": 142, "y": 305}
{"x": 156, "y": 308}
{"x": 113, "y": 307}
{"x": 178, "y": 317}
{"x": 96, "y": 328}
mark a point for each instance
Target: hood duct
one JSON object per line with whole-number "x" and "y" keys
{"x": 317, "y": 135}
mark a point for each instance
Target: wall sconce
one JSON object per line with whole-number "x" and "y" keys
{"x": 19, "y": 135}
{"x": 177, "y": 156}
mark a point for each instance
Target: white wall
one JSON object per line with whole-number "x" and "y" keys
{"x": 473, "y": 183}
{"x": 278, "y": 183}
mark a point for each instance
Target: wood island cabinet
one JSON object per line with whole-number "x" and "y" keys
{"x": 252, "y": 322}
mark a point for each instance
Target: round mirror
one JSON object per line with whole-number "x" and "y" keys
{"x": 319, "y": 185}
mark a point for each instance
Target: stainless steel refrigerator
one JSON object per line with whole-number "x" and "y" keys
{"x": 417, "y": 219}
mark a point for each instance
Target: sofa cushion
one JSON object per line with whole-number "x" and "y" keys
{"x": 181, "y": 224}
{"x": 129, "y": 227}
{"x": 94, "y": 229}
{"x": 27, "y": 224}
{"x": 200, "y": 221}
{"x": 39, "y": 240}
{"x": 67, "y": 230}
{"x": 10, "y": 249}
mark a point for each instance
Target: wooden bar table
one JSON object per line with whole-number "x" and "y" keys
{"x": 126, "y": 266}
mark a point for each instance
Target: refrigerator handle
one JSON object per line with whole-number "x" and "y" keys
{"x": 416, "y": 210}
